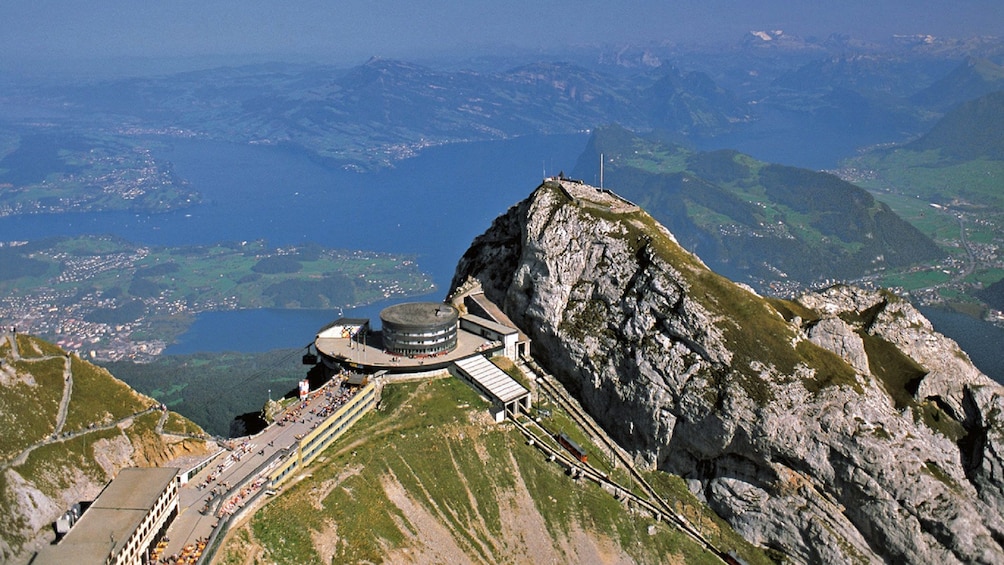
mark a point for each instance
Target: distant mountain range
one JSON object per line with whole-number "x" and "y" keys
{"x": 776, "y": 98}
{"x": 386, "y": 110}
{"x": 959, "y": 160}
{"x": 975, "y": 130}
{"x": 774, "y": 91}
{"x": 974, "y": 77}
{"x": 949, "y": 181}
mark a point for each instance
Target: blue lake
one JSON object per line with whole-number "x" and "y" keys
{"x": 264, "y": 329}
{"x": 431, "y": 206}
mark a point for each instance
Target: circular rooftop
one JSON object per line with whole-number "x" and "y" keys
{"x": 418, "y": 315}
{"x": 419, "y": 328}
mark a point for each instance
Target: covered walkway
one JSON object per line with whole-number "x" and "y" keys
{"x": 503, "y": 390}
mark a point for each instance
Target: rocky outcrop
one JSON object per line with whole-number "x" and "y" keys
{"x": 838, "y": 427}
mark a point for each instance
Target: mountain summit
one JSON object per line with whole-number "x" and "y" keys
{"x": 837, "y": 427}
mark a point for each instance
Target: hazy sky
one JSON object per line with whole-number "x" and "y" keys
{"x": 348, "y": 30}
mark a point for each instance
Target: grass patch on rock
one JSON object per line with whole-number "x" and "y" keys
{"x": 25, "y": 423}
{"x": 99, "y": 398}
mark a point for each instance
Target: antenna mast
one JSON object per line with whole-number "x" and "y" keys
{"x": 601, "y": 170}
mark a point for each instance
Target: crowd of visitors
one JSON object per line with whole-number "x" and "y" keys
{"x": 234, "y": 456}
{"x": 335, "y": 397}
{"x": 236, "y": 502}
{"x": 189, "y": 555}
{"x": 223, "y": 499}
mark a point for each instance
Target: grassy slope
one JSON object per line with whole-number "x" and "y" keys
{"x": 753, "y": 330}
{"x": 934, "y": 177}
{"x": 429, "y": 479}
{"x": 29, "y": 407}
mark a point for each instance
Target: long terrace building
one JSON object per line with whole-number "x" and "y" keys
{"x": 126, "y": 519}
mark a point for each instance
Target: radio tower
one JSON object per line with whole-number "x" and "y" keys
{"x": 601, "y": 170}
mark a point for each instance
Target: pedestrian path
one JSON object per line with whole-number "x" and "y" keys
{"x": 64, "y": 403}
{"x": 225, "y": 487}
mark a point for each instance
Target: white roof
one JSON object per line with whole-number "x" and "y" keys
{"x": 490, "y": 324}
{"x": 339, "y": 331}
{"x": 496, "y": 381}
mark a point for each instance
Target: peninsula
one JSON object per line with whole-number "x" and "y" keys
{"x": 109, "y": 300}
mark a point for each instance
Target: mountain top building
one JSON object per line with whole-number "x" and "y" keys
{"x": 420, "y": 337}
{"x": 419, "y": 328}
{"x": 131, "y": 513}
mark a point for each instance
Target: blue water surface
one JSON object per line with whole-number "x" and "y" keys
{"x": 431, "y": 206}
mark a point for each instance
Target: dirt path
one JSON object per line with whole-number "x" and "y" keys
{"x": 64, "y": 404}
{"x": 12, "y": 339}
{"x": 160, "y": 423}
{"x": 23, "y": 456}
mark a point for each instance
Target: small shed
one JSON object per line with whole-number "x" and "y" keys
{"x": 357, "y": 380}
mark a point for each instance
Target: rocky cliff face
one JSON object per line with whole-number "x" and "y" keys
{"x": 835, "y": 428}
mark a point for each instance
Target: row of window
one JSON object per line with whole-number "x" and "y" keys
{"x": 153, "y": 521}
{"x": 420, "y": 333}
{"x": 357, "y": 403}
{"x": 355, "y": 415}
{"x": 390, "y": 342}
{"x": 363, "y": 403}
{"x": 422, "y": 350}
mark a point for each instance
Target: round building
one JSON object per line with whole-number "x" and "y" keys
{"x": 419, "y": 328}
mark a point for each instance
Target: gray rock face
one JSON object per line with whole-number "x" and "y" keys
{"x": 836, "y": 428}
{"x": 838, "y": 336}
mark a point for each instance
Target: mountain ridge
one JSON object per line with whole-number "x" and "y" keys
{"x": 974, "y": 78}
{"x": 381, "y": 111}
{"x": 838, "y": 427}
{"x": 971, "y": 131}
{"x": 763, "y": 223}
{"x": 69, "y": 427}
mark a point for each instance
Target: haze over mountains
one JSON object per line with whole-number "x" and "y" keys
{"x": 375, "y": 113}
{"x": 774, "y": 96}
{"x": 354, "y": 30}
